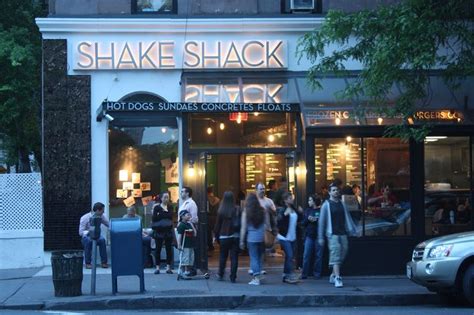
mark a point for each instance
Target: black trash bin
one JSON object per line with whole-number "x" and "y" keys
{"x": 67, "y": 272}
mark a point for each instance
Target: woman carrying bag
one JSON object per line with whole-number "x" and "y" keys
{"x": 162, "y": 225}
{"x": 227, "y": 232}
{"x": 287, "y": 221}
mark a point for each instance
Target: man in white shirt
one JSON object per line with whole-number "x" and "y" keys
{"x": 84, "y": 226}
{"x": 187, "y": 203}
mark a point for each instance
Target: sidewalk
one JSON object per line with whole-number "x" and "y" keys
{"x": 32, "y": 289}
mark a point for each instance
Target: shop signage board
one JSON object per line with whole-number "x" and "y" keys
{"x": 168, "y": 54}
{"x": 110, "y": 106}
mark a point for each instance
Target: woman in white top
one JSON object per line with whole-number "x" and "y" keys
{"x": 287, "y": 220}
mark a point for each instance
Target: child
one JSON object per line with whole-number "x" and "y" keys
{"x": 187, "y": 230}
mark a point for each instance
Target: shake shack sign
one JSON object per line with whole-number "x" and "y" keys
{"x": 110, "y": 107}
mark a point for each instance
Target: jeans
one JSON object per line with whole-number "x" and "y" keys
{"x": 312, "y": 249}
{"x": 169, "y": 252}
{"x": 256, "y": 250}
{"x": 289, "y": 249}
{"x": 229, "y": 245}
{"x": 87, "y": 243}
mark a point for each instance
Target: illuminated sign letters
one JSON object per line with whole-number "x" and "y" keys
{"x": 149, "y": 55}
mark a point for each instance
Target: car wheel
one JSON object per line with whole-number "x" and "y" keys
{"x": 468, "y": 284}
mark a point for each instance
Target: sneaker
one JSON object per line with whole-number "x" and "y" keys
{"x": 250, "y": 271}
{"x": 263, "y": 272}
{"x": 169, "y": 271}
{"x": 104, "y": 265}
{"x": 157, "y": 272}
{"x": 332, "y": 278}
{"x": 88, "y": 266}
{"x": 289, "y": 280}
{"x": 255, "y": 281}
{"x": 338, "y": 282}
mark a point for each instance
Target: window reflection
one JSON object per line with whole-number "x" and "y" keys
{"x": 383, "y": 207}
{"x": 143, "y": 162}
{"x": 162, "y": 6}
{"x": 447, "y": 193}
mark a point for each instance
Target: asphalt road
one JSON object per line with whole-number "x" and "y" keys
{"x": 411, "y": 310}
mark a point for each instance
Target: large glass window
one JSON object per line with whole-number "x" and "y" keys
{"x": 447, "y": 186}
{"x": 244, "y": 130}
{"x": 379, "y": 201}
{"x": 155, "y": 6}
{"x": 143, "y": 161}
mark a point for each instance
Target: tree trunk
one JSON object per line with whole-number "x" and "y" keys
{"x": 23, "y": 161}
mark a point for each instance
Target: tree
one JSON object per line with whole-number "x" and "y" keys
{"x": 399, "y": 45}
{"x": 20, "y": 82}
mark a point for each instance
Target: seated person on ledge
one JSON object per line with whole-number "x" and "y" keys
{"x": 383, "y": 198}
{"x": 84, "y": 226}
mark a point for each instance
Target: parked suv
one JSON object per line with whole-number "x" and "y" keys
{"x": 445, "y": 265}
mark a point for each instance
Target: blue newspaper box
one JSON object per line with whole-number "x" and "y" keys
{"x": 126, "y": 250}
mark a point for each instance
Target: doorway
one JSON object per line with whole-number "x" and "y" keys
{"x": 239, "y": 173}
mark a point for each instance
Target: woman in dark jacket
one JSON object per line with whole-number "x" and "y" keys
{"x": 287, "y": 221}
{"x": 162, "y": 225}
{"x": 227, "y": 232}
{"x": 312, "y": 249}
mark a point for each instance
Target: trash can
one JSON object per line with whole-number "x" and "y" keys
{"x": 126, "y": 250}
{"x": 67, "y": 272}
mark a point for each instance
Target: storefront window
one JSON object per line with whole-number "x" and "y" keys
{"x": 447, "y": 186}
{"x": 383, "y": 207}
{"x": 242, "y": 130}
{"x": 155, "y": 6}
{"x": 143, "y": 162}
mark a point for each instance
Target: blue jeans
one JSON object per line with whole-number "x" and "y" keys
{"x": 87, "y": 243}
{"x": 289, "y": 249}
{"x": 312, "y": 249}
{"x": 256, "y": 250}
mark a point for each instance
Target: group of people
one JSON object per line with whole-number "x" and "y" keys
{"x": 255, "y": 227}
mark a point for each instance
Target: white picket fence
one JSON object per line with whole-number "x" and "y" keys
{"x": 21, "y": 221}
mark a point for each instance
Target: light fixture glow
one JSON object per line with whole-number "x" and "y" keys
{"x": 123, "y": 175}
{"x": 410, "y": 121}
{"x": 256, "y": 114}
{"x": 380, "y": 120}
{"x": 271, "y": 138}
{"x": 348, "y": 138}
{"x": 209, "y": 130}
{"x": 338, "y": 121}
{"x": 221, "y": 126}
{"x": 163, "y": 130}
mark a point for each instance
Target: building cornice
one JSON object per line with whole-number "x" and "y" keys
{"x": 167, "y": 25}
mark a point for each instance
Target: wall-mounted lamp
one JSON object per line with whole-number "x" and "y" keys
{"x": 221, "y": 126}
{"x": 348, "y": 139}
{"x": 191, "y": 171}
{"x": 380, "y": 120}
{"x": 209, "y": 130}
{"x": 163, "y": 129}
{"x": 108, "y": 117}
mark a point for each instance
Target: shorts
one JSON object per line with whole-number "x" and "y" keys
{"x": 338, "y": 246}
{"x": 187, "y": 257}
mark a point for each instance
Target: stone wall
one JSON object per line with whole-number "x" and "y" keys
{"x": 66, "y": 148}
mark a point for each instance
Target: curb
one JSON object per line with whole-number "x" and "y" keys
{"x": 232, "y": 302}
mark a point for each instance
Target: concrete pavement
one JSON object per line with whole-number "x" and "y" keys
{"x": 33, "y": 289}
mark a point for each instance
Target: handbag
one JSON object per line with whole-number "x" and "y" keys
{"x": 269, "y": 239}
{"x": 162, "y": 225}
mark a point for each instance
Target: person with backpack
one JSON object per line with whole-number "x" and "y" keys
{"x": 227, "y": 233}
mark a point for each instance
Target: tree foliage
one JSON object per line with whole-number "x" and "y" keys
{"x": 20, "y": 81}
{"x": 398, "y": 47}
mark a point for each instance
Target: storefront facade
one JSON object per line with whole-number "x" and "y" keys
{"x": 133, "y": 107}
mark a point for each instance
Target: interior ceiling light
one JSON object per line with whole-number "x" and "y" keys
{"x": 209, "y": 130}
{"x": 271, "y": 138}
{"x": 338, "y": 121}
{"x": 380, "y": 120}
{"x": 221, "y": 126}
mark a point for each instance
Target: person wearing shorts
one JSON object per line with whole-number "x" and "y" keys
{"x": 186, "y": 237}
{"x": 336, "y": 224}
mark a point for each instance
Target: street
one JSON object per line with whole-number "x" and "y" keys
{"x": 409, "y": 310}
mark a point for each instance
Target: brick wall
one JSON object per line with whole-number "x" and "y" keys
{"x": 66, "y": 148}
